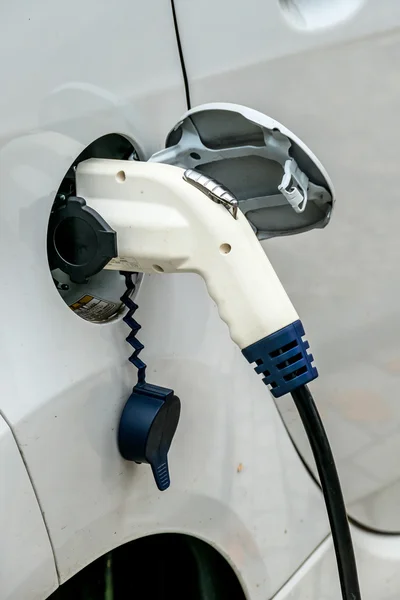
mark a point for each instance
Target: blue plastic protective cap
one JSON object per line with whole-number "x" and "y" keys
{"x": 147, "y": 426}
{"x": 283, "y": 359}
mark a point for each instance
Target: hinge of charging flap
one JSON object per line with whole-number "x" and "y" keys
{"x": 294, "y": 186}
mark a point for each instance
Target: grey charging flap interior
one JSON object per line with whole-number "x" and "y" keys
{"x": 280, "y": 185}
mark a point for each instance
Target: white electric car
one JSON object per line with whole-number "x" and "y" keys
{"x": 244, "y": 516}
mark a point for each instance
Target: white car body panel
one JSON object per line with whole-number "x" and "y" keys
{"x": 26, "y": 558}
{"x": 74, "y": 72}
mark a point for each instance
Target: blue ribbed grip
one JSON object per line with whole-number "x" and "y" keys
{"x": 283, "y": 359}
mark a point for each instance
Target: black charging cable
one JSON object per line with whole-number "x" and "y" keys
{"x": 332, "y": 491}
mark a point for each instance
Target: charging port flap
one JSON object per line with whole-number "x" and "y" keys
{"x": 281, "y": 187}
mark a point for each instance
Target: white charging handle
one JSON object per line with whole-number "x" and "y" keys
{"x": 165, "y": 223}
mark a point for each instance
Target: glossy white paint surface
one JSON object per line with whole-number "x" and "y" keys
{"x": 338, "y": 89}
{"x": 266, "y": 516}
{"x": 26, "y": 560}
{"x": 93, "y": 75}
{"x": 64, "y": 381}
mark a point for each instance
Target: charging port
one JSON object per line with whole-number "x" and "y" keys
{"x": 95, "y": 298}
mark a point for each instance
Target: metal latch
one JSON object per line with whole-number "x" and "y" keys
{"x": 293, "y": 179}
{"x": 213, "y": 189}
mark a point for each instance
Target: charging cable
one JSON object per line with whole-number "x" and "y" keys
{"x": 332, "y": 491}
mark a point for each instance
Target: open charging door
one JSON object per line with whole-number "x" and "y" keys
{"x": 280, "y": 185}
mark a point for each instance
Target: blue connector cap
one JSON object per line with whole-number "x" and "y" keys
{"x": 147, "y": 427}
{"x": 283, "y": 359}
